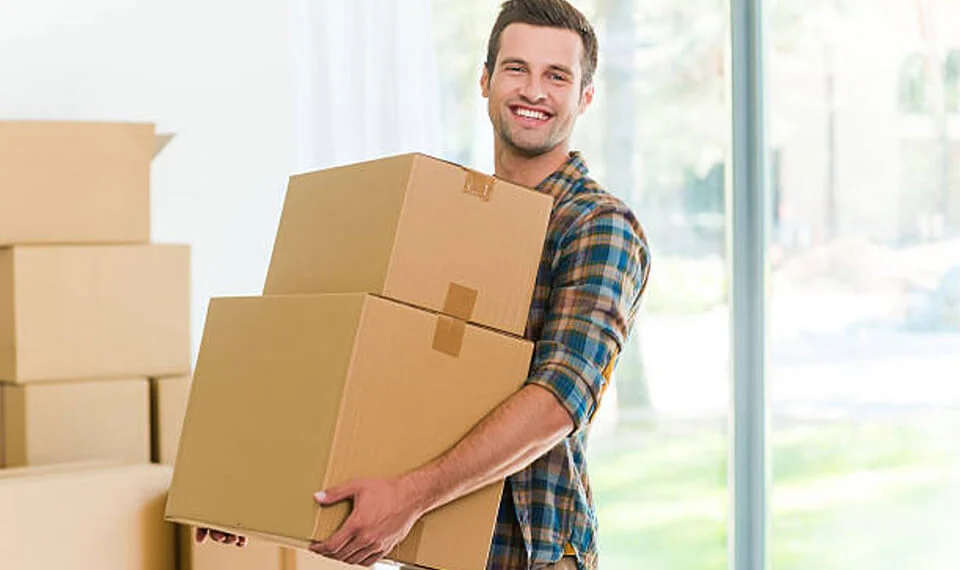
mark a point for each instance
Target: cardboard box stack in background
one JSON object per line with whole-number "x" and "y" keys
{"x": 89, "y": 310}
{"x": 389, "y": 326}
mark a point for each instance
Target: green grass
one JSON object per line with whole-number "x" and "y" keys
{"x": 866, "y": 496}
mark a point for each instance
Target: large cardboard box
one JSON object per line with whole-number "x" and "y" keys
{"x": 76, "y": 182}
{"x": 294, "y": 394}
{"x": 168, "y": 405}
{"x": 85, "y": 518}
{"x": 210, "y": 555}
{"x": 69, "y": 312}
{"x": 415, "y": 229}
{"x": 43, "y": 424}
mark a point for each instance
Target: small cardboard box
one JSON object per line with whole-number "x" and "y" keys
{"x": 294, "y": 394}
{"x": 415, "y": 229}
{"x": 70, "y": 312}
{"x": 49, "y": 423}
{"x": 76, "y": 182}
{"x": 168, "y": 404}
{"x": 86, "y": 518}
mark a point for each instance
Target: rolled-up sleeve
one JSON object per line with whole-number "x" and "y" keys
{"x": 598, "y": 274}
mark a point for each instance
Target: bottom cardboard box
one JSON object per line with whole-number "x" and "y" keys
{"x": 294, "y": 394}
{"x": 85, "y": 517}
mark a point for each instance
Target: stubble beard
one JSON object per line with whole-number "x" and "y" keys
{"x": 525, "y": 150}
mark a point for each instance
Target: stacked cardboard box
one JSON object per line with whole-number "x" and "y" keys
{"x": 389, "y": 326}
{"x": 89, "y": 310}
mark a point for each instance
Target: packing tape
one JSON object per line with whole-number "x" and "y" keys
{"x": 448, "y": 335}
{"x": 460, "y": 301}
{"x": 479, "y": 185}
{"x": 408, "y": 548}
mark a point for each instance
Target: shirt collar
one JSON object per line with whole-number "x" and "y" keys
{"x": 564, "y": 178}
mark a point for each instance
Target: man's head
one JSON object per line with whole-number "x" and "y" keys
{"x": 538, "y": 75}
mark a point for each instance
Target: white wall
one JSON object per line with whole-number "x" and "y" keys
{"x": 220, "y": 73}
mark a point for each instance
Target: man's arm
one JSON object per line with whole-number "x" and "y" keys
{"x": 600, "y": 272}
{"x": 523, "y": 428}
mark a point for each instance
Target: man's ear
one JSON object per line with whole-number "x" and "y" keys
{"x": 586, "y": 98}
{"x": 485, "y": 83}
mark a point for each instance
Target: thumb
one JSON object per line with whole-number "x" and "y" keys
{"x": 335, "y": 494}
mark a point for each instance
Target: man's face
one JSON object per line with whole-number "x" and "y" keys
{"x": 534, "y": 95}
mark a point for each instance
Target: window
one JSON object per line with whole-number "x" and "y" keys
{"x": 864, "y": 316}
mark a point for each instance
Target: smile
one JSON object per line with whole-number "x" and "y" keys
{"x": 530, "y": 114}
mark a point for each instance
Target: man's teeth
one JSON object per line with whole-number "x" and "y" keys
{"x": 532, "y": 114}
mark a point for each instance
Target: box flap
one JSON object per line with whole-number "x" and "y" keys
{"x": 162, "y": 140}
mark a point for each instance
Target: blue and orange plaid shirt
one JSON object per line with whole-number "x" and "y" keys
{"x": 593, "y": 270}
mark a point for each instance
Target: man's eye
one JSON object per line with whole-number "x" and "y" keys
{"x": 514, "y": 68}
{"x": 558, "y": 77}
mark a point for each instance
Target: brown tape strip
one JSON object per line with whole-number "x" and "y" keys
{"x": 406, "y": 552}
{"x": 479, "y": 185}
{"x": 448, "y": 336}
{"x": 460, "y": 301}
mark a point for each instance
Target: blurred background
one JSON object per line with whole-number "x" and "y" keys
{"x": 863, "y": 306}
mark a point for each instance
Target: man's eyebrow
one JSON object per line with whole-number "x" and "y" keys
{"x": 512, "y": 60}
{"x": 562, "y": 69}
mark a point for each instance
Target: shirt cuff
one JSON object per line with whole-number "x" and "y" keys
{"x": 573, "y": 380}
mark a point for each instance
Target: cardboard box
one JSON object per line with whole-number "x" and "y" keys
{"x": 69, "y": 312}
{"x": 210, "y": 555}
{"x": 416, "y": 229}
{"x": 42, "y": 424}
{"x": 76, "y": 182}
{"x": 85, "y": 518}
{"x": 168, "y": 404}
{"x": 294, "y": 394}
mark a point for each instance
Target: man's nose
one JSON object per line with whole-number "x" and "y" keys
{"x": 533, "y": 90}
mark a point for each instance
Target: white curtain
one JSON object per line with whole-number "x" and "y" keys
{"x": 368, "y": 81}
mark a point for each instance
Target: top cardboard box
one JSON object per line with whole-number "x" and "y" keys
{"x": 415, "y": 229}
{"x": 75, "y": 182}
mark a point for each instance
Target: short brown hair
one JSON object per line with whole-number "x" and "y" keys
{"x": 550, "y": 13}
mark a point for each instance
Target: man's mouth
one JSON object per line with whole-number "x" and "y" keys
{"x": 530, "y": 114}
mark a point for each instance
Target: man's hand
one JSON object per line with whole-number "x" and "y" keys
{"x": 221, "y": 537}
{"x": 384, "y": 511}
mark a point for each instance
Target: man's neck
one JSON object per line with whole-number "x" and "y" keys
{"x": 528, "y": 171}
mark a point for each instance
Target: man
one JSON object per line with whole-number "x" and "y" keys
{"x": 538, "y": 79}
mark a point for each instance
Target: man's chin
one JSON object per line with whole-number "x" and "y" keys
{"x": 530, "y": 150}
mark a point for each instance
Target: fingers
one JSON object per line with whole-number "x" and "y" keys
{"x": 358, "y": 548}
{"x": 337, "y": 541}
{"x": 360, "y": 554}
{"x": 335, "y": 494}
{"x": 372, "y": 559}
{"x": 221, "y": 537}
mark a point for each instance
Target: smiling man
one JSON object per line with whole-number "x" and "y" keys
{"x": 538, "y": 79}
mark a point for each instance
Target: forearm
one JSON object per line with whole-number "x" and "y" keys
{"x": 514, "y": 435}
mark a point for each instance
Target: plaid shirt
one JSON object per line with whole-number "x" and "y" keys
{"x": 593, "y": 270}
